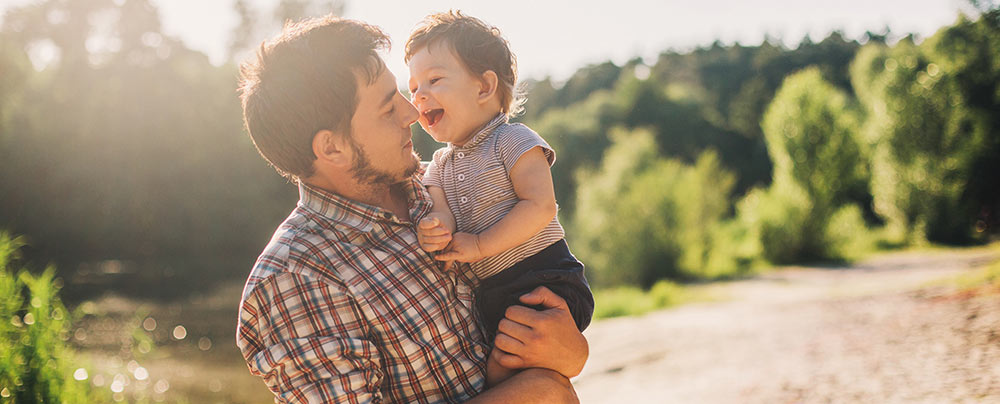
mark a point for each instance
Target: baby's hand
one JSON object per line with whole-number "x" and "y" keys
{"x": 464, "y": 248}
{"x": 432, "y": 235}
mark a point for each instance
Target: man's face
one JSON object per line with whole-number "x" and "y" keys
{"x": 380, "y": 132}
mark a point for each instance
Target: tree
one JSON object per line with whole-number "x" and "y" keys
{"x": 641, "y": 218}
{"x": 810, "y": 128}
{"x": 926, "y": 141}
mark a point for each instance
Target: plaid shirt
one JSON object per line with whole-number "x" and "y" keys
{"x": 344, "y": 307}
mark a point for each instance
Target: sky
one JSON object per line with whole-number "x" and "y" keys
{"x": 557, "y": 37}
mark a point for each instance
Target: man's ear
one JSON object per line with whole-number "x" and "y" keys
{"x": 333, "y": 148}
{"x": 488, "y": 83}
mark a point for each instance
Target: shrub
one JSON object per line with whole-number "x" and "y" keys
{"x": 631, "y": 301}
{"x": 641, "y": 218}
{"x": 36, "y": 365}
{"x": 810, "y": 131}
{"x": 926, "y": 141}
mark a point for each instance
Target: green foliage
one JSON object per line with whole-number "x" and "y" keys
{"x": 847, "y": 234}
{"x": 807, "y": 212}
{"x": 810, "y": 129}
{"x": 926, "y": 139}
{"x": 579, "y": 134}
{"x": 631, "y": 301}
{"x": 642, "y": 218}
{"x": 981, "y": 280}
{"x": 135, "y": 154}
{"x": 36, "y": 365}
{"x": 779, "y": 223}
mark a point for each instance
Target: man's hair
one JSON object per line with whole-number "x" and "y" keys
{"x": 479, "y": 46}
{"x": 304, "y": 81}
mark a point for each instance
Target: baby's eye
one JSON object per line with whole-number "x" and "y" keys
{"x": 435, "y": 80}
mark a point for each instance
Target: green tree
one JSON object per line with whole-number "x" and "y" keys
{"x": 642, "y": 218}
{"x": 926, "y": 140}
{"x": 810, "y": 129}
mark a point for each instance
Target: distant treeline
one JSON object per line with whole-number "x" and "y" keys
{"x": 126, "y": 153}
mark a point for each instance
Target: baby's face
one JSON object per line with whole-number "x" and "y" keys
{"x": 446, "y": 94}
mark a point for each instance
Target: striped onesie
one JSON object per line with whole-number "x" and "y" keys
{"x": 476, "y": 181}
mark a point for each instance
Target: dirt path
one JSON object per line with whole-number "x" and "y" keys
{"x": 873, "y": 333}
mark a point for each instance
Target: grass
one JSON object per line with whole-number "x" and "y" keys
{"x": 624, "y": 301}
{"x": 984, "y": 280}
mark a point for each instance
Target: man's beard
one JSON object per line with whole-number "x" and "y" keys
{"x": 364, "y": 173}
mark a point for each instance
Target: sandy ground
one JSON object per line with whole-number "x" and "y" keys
{"x": 877, "y": 332}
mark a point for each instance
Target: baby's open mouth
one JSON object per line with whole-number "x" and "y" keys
{"x": 433, "y": 116}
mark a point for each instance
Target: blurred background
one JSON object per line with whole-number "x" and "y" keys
{"x": 696, "y": 144}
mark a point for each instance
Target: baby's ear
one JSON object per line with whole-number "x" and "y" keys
{"x": 488, "y": 83}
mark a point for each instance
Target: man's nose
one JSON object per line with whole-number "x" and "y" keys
{"x": 410, "y": 114}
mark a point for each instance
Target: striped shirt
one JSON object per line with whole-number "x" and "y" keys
{"x": 475, "y": 178}
{"x": 343, "y": 306}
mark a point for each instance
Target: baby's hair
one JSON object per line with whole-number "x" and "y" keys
{"x": 479, "y": 46}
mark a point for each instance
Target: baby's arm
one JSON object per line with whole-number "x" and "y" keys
{"x": 536, "y": 207}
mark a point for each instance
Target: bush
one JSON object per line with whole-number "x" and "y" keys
{"x": 808, "y": 212}
{"x": 926, "y": 141}
{"x": 36, "y": 365}
{"x": 631, "y": 301}
{"x": 810, "y": 131}
{"x": 642, "y": 218}
{"x": 778, "y": 219}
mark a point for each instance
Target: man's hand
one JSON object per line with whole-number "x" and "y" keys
{"x": 528, "y": 338}
{"x": 464, "y": 248}
{"x": 432, "y": 234}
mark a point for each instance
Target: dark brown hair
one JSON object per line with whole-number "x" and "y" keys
{"x": 479, "y": 46}
{"x": 304, "y": 81}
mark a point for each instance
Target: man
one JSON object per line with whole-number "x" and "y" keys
{"x": 343, "y": 305}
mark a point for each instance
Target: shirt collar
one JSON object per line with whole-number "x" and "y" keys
{"x": 484, "y": 132}
{"x": 360, "y": 216}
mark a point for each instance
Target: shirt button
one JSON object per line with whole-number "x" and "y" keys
{"x": 461, "y": 177}
{"x": 387, "y": 215}
{"x": 464, "y": 199}
{"x": 461, "y": 155}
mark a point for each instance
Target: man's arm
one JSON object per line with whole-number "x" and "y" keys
{"x": 304, "y": 337}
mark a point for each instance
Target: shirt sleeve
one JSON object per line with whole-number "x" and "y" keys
{"x": 306, "y": 339}
{"x": 516, "y": 140}
{"x": 432, "y": 176}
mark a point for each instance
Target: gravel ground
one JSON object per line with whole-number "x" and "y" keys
{"x": 875, "y": 332}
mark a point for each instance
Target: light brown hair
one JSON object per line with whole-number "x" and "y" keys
{"x": 304, "y": 81}
{"x": 479, "y": 46}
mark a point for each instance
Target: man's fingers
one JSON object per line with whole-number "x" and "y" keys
{"x": 523, "y": 315}
{"x": 544, "y": 297}
{"x": 518, "y": 331}
{"x": 508, "y": 360}
{"x": 508, "y": 344}
{"x": 448, "y": 265}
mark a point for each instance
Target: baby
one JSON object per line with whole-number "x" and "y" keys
{"x": 494, "y": 204}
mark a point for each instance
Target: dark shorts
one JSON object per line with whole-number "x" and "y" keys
{"x": 555, "y": 268}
